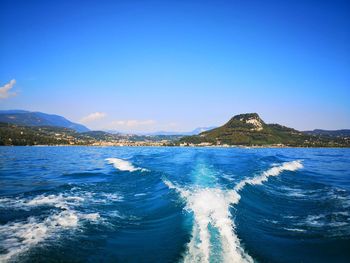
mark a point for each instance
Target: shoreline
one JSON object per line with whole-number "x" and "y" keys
{"x": 189, "y": 146}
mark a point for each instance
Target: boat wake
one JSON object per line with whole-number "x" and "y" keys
{"x": 211, "y": 211}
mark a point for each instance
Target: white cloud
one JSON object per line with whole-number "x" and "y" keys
{"x": 93, "y": 117}
{"x": 131, "y": 123}
{"x": 5, "y": 90}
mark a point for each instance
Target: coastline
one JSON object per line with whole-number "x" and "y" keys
{"x": 182, "y": 146}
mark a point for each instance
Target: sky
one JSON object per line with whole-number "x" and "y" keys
{"x": 177, "y": 65}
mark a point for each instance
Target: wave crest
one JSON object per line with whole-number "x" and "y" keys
{"x": 274, "y": 171}
{"x": 124, "y": 165}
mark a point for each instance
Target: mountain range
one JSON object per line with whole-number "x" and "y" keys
{"x": 19, "y": 127}
{"x": 28, "y": 118}
{"x": 331, "y": 133}
{"x": 193, "y": 132}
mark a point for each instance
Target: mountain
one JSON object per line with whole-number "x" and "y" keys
{"x": 331, "y": 133}
{"x": 13, "y": 134}
{"x": 249, "y": 129}
{"x": 200, "y": 130}
{"x": 28, "y": 118}
{"x": 193, "y": 132}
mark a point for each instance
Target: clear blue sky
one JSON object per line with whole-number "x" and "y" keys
{"x": 176, "y": 65}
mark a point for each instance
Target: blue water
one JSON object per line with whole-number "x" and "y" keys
{"x": 120, "y": 204}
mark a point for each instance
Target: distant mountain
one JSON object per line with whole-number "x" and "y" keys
{"x": 193, "y": 132}
{"x": 12, "y": 111}
{"x": 113, "y": 131}
{"x": 331, "y": 133}
{"x": 27, "y": 118}
{"x": 249, "y": 129}
{"x": 167, "y": 133}
{"x": 200, "y": 130}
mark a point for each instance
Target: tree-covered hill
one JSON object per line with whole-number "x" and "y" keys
{"x": 249, "y": 129}
{"x": 13, "y": 134}
{"x": 28, "y": 118}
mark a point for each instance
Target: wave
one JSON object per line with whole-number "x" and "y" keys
{"x": 211, "y": 208}
{"x": 124, "y": 165}
{"x": 295, "y": 192}
{"x": 274, "y": 171}
{"x": 337, "y": 219}
{"x": 18, "y": 237}
{"x": 58, "y": 201}
{"x": 61, "y": 201}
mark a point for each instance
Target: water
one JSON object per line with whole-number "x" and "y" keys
{"x": 120, "y": 204}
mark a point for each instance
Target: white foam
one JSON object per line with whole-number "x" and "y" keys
{"x": 294, "y": 192}
{"x": 124, "y": 165}
{"x": 211, "y": 207}
{"x": 19, "y": 237}
{"x": 141, "y": 194}
{"x": 111, "y": 197}
{"x": 294, "y": 229}
{"x": 91, "y": 217}
{"x": 321, "y": 220}
{"x": 314, "y": 220}
{"x": 274, "y": 171}
{"x": 62, "y": 201}
{"x": 59, "y": 201}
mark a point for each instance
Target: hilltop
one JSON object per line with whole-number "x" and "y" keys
{"x": 249, "y": 130}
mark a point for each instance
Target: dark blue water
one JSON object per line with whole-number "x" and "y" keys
{"x": 120, "y": 204}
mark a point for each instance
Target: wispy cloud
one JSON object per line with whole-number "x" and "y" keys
{"x": 93, "y": 117}
{"x": 5, "y": 90}
{"x": 131, "y": 124}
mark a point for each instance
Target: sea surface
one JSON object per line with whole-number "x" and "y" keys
{"x": 170, "y": 204}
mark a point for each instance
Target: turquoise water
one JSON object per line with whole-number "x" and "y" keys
{"x": 148, "y": 204}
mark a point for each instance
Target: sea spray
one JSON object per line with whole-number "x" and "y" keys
{"x": 124, "y": 165}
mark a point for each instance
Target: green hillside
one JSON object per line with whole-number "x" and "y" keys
{"x": 27, "y": 118}
{"x": 249, "y": 129}
{"x": 13, "y": 134}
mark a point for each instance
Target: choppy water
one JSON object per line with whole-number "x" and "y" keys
{"x": 110, "y": 204}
